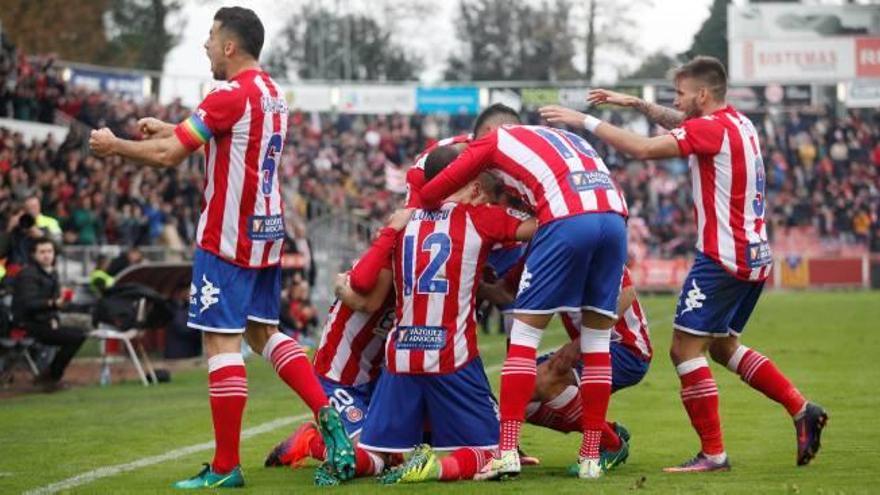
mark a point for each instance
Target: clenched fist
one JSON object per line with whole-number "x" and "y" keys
{"x": 101, "y": 142}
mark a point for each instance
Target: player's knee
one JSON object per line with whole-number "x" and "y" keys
{"x": 592, "y": 319}
{"x": 258, "y": 334}
{"x": 685, "y": 347}
{"x": 722, "y": 350}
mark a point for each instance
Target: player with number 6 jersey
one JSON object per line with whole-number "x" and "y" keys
{"x": 236, "y": 273}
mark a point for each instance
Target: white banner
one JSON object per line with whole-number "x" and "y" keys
{"x": 377, "y": 99}
{"x": 796, "y": 21}
{"x": 821, "y": 60}
{"x": 863, "y": 94}
{"x": 308, "y": 98}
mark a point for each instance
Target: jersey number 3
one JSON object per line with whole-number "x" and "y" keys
{"x": 439, "y": 245}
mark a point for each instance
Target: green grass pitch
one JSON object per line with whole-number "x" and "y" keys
{"x": 827, "y": 343}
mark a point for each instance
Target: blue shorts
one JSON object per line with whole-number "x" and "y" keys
{"x": 627, "y": 368}
{"x": 351, "y": 402}
{"x": 714, "y": 303}
{"x": 459, "y": 407}
{"x": 574, "y": 263}
{"x": 224, "y": 296}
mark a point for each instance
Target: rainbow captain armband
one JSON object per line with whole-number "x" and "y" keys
{"x": 193, "y": 132}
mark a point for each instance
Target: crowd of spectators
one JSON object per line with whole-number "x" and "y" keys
{"x": 822, "y": 172}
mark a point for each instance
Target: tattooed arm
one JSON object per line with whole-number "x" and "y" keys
{"x": 668, "y": 118}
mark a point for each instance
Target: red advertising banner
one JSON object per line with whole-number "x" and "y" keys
{"x": 867, "y": 57}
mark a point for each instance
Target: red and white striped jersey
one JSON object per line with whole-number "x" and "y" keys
{"x": 727, "y": 175}
{"x": 415, "y": 176}
{"x": 352, "y": 343}
{"x": 555, "y": 171}
{"x": 437, "y": 264}
{"x": 242, "y": 124}
{"x": 631, "y": 330}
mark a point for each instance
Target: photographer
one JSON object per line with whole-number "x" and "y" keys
{"x": 36, "y": 303}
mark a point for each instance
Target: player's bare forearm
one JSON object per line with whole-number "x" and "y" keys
{"x": 668, "y": 118}
{"x": 636, "y": 145}
{"x": 159, "y": 153}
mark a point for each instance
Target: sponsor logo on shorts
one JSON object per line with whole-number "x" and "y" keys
{"x": 209, "y": 293}
{"x": 421, "y": 338}
{"x": 354, "y": 414}
{"x": 525, "y": 281}
{"x": 695, "y": 298}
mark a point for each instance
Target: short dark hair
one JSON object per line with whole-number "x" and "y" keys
{"x": 39, "y": 242}
{"x": 438, "y": 159}
{"x": 708, "y": 70}
{"x": 245, "y": 24}
{"x": 496, "y": 111}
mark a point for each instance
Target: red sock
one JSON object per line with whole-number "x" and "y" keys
{"x": 699, "y": 394}
{"x": 517, "y": 385}
{"x": 367, "y": 463}
{"x": 227, "y": 386}
{"x": 762, "y": 375}
{"x": 463, "y": 464}
{"x": 317, "y": 449}
{"x": 595, "y": 388}
{"x": 293, "y": 366}
{"x": 610, "y": 439}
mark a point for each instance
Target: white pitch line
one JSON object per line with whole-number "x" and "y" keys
{"x": 107, "y": 471}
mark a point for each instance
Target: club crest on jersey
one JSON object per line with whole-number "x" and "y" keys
{"x": 694, "y": 300}
{"x": 422, "y": 338}
{"x": 590, "y": 180}
{"x": 679, "y": 133}
{"x": 266, "y": 227}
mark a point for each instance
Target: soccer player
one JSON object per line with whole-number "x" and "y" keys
{"x": 351, "y": 353}
{"x": 433, "y": 369}
{"x": 733, "y": 254}
{"x": 236, "y": 282}
{"x": 574, "y": 263}
{"x": 415, "y": 176}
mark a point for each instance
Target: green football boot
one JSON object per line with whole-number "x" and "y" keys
{"x": 422, "y": 465}
{"x": 207, "y": 478}
{"x": 340, "y": 452}
{"x": 325, "y": 475}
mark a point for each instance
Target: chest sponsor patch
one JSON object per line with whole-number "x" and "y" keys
{"x": 759, "y": 254}
{"x": 590, "y": 181}
{"x": 420, "y": 338}
{"x": 266, "y": 227}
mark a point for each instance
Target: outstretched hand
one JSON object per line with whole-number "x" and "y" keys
{"x": 599, "y": 96}
{"x": 556, "y": 114}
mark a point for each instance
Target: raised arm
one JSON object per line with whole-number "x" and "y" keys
{"x": 635, "y": 145}
{"x": 465, "y": 168}
{"x": 668, "y": 118}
